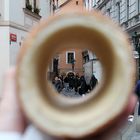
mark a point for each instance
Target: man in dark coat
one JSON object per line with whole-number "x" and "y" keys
{"x": 76, "y": 82}
{"x": 93, "y": 82}
{"x": 83, "y": 86}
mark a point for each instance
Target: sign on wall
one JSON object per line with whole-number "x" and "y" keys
{"x": 13, "y": 37}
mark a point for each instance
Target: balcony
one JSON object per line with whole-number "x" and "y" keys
{"x": 34, "y": 13}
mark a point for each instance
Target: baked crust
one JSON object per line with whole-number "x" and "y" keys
{"x": 75, "y": 118}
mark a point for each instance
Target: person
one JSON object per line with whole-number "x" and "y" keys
{"x": 137, "y": 91}
{"x": 93, "y": 82}
{"x": 71, "y": 80}
{"x": 76, "y": 82}
{"x": 58, "y": 84}
{"x": 14, "y": 125}
{"x": 83, "y": 86}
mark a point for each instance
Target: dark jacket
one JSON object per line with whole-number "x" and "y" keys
{"x": 83, "y": 87}
{"x": 93, "y": 82}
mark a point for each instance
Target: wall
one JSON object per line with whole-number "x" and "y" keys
{"x": 133, "y": 8}
{"x": 4, "y": 52}
{"x": 14, "y": 20}
{"x": 16, "y": 11}
{"x": 78, "y": 53}
{"x": 132, "y": 5}
{"x": 1, "y": 9}
{"x": 60, "y": 2}
{"x": 64, "y": 67}
{"x": 72, "y": 4}
{"x": 6, "y": 10}
{"x": 20, "y": 4}
{"x": 21, "y": 23}
{"x": 129, "y": 14}
{"x": 45, "y": 13}
{"x": 16, "y": 45}
{"x": 97, "y": 70}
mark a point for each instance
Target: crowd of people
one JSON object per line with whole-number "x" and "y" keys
{"x": 74, "y": 82}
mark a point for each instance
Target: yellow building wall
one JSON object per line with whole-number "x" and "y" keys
{"x": 78, "y": 66}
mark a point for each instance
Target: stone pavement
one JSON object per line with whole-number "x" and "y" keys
{"x": 128, "y": 132}
{"x": 135, "y": 136}
{"x": 70, "y": 93}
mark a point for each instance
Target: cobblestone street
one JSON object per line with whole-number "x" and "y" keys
{"x": 128, "y": 132}
{"x": 70, "y": 93}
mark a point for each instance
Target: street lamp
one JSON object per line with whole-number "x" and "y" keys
{"x": 136, "y": 42}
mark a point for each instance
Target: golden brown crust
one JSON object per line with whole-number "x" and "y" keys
{"x": 27, "y": 44}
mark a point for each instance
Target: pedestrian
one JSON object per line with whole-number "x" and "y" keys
{"x": 70, "y": 80}
{"x": 13, "y": 123}
{"x": 137, "y": 91}
{"x": 62, "y": 80}
{"x": 66, "y": 83}
{"x": 76, "y": 82}
{"x": 93, "y": 82}
{"x": 83, "y": 89}
{"x": 58, "y": 84}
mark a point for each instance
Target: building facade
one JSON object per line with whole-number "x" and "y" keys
{"x": 127, "y": 14}
{"x": 92, "y": 64}
{"x": 17, "y": 17}
{"x": 69, "y": 60}
{"x": 74, "y": 60}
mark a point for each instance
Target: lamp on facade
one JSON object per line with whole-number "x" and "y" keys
{"x": 136, "y": 42}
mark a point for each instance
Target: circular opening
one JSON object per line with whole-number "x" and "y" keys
{"x": 75, "y": 72}
{"x": 65, "y": 36}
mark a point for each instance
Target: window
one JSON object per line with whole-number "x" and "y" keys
{"x": 127, "y": 9}
{"x": 70, "y": 57}
{"x": 27, "y": 2}
{"x": 94, "y": 3}
{"x": 32, "y": 3}
{"x": 54, "y": 6}
{"x": 108, "y": 12}
{"x": 1, "y": 9}
{"x": 35, "y": 6}
{"x": 55, "y": 65}
{"x": 88, "y": 4}
{"x": 138, "y": 6}
{"x": 28, "y": 5}
{"x": 118, "y": 11}
{"x": 85, "y": 56}
{"x": 32, "y": 9}
{"x": 57, "y": 3}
